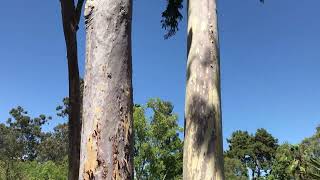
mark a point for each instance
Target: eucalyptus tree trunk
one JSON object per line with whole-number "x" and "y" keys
{"x": 106, "y": 137}
{"x": 203, "y": 152}
{"x": 70, "y": 18}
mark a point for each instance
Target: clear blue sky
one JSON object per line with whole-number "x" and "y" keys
{"x": 270, "y": 61}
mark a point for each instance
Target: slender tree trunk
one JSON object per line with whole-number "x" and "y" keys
{"x": 70, "y": 23}
{"x": 203, "y": 152}
{"x": 106, "y": 143}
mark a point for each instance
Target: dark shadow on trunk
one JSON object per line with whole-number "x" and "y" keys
{"x": 204, "y": 113}
{"x": 203, "y": 119}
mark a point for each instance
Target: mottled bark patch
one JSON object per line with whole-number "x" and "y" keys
{"x": 202, "y": 118}
{"x": 122, "y": 141}
{"x": 88, "y": 12}
{"x": 93, "y": 161}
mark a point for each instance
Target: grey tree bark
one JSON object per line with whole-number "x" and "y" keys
{"x": 70, "y": 19}
{"x": 106, "y": 137}
{"x": 203, "y": 152}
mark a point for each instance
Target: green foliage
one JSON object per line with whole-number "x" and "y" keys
{"x": 27, "y": 153}
{"x": 171, "y": 17}
{"x": 311, "y": 145}
{"x": 54, "y": 145}
{"x": 23, "y": 133}
{"x": 47, "y": 170}
{"x": 234, "y": 169}
{"x": 11, "y": 170}
{"x": 10, "y": 148}
{"x": 309, "y": 154}
{"x": 256, "y": 151}
{"x": 282, "y": 162}
{"x": 314, "y": 164}
{"x": 298, "y": 165}
{"x": 266, "y": 160}
{"x": 298, "y": 161}
{"x": 32, "y": 170}
{"x": 157, "y": 147}
{"x": 64, "y": 109}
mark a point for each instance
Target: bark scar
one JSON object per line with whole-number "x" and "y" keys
{"x": 88, "y": 13}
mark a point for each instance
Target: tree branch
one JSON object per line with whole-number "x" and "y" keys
{"x": 78, "y": 12}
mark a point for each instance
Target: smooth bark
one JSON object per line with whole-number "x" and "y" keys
{"x": 203, "y": 152}
{"x": 107, "y": 141}
{"x": 70, "y": 19}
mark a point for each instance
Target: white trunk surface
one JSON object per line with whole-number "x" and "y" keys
{"x": 106, "y": 143}
{"x": 203, "y": 152}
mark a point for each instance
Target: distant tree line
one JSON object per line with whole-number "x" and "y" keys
{"x": 28, "y": 152}
{"x": 260, "y": 156}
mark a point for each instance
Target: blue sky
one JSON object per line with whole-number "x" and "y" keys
{"x": 270, "y": 59}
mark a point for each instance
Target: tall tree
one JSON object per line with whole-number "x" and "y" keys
{"x": 203, "y": 152}
{"x": 70, "y": 19}
{"x": 107, "y": 138}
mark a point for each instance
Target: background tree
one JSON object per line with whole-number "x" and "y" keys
{"x": 256, "y": 151}
{"x": 234, "y": 169}
{"x": 157, "y": 147}
{"x": 70, "y": 18}
{"x": 20, "y": 139}
{"x": 281, "y": 163}
{"x": 298, "y": 165}
{"x": 27, "y": 131}
{"x": 314, "y": 171}
{"x": 311, "y": 145}
{"x": 10, "y": 152}
{"x": 311, "y": 148}
{"x": 54, "y": 145}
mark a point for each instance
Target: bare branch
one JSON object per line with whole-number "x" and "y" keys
{"x": 78, "y": 11}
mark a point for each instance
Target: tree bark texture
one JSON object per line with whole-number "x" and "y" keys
{"x": 203, "y": 152}
{"x": 70, "y": 33}
{"x": 107, "y": 139}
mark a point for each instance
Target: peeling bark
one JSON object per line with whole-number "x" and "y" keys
{"x": 203, "y": 152}
{"x": 107, "y": 141}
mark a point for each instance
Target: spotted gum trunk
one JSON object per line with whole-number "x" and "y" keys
{"x": 107, "y": 141}
{"x": 203, "y": 152}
